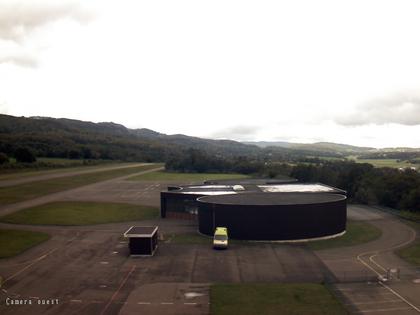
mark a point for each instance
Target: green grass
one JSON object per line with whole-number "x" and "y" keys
{"x": 80, "y": 213}
{"x": 385, "y": 162}
{"x": 409, "y": 215}
{"x": 24, "y": 173}
{"x": 273, "y": 299}
{"x": 357, "y": 232}
{"x": 13, "y": 194}
{"x": 411, "y": 253}
{"x": 173, "y": 176}
{"x": 14, "y": 242}
{"x": 14, "y": 170}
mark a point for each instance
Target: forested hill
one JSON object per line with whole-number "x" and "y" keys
{"x": 50, "y": 137}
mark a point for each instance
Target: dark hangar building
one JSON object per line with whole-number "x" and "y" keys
{"x": 260, "y": 209}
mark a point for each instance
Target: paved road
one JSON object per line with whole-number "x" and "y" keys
{"x": 64, "y": 173}
{"x": 359, "y": 267}
{"x": 88, "y": 269}
{"x": 89, "y": 272}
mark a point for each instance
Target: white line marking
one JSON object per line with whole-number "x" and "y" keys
{"x": 378, "y": 265}
{"x": 34, "y": 297}
{"x": 30, "y": 265}
{"x": 104, "y": 263}
{"x": 386, "y": 310}
{"x": 76, "y": 301}
{"x": 376, "y": 302}
{"x": 144, "y": 303}
{"x": 166, "y": 303}
{"x": 190, "y": 303}
{"x": 398, "y": 295}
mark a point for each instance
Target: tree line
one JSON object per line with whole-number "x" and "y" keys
{"x": 364, "y": 184}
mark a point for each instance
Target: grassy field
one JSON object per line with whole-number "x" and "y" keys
{"x": 356, "y": 233}
{"x": 81, "y": 213}
{"x": 273, "y": 299}
{"x": 385, "y": 163}
{"x": 39, "y": 172}
{"x": 173, "y": 176}
{"x": 411, "y": 253}
{"x": 18, "y": 170}
{"x": 14, "y": 242}
{"x": 13, "y": 194}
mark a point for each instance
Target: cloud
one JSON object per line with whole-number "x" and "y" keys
{"x": 402, "y": 108}
{"x": 239, "y": 132}
{"x": 19, "y": 19}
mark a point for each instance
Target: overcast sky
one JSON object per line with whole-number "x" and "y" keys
{"x": 302, "y": 71}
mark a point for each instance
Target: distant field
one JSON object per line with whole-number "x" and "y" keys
{"x": 13, "y": 194}
{"x": 411, "y": 253}
{"x": 173, "y": 176}
{"x": 356, "y": 233}
{"x": 53, "y": 166}
{"x": 273, "y": 299}
{"x": 385, "y": 163}
{"x": 81, "y": 213}
{"x": 14, "y": 242}
{"x": 28, "y": 172}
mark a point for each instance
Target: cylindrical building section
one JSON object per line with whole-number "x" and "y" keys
{"x": 274, "y": 216}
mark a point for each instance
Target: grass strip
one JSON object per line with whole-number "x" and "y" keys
{"x": 357, "y": 232}
{"x": 81, "y": 213}
{"x": 14, "y": 242}
{"x": 411, "y": 253}
{"x": 273, "y": 299}
{"x": 22, "y": 192}
{"x": 174, "y": 176}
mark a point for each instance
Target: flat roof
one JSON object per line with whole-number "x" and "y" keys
{"x": 296, "y": 188}
{"x": 251, "y": 181}
{"x": 207, "y": 193}
{"x": 251, "y": 188}
{"x": 141, "y": 231}
{"x": 275, "y": 198}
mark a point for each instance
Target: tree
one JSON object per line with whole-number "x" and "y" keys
{"x": 23, "y": 155}
{"x": 3, "y": 158}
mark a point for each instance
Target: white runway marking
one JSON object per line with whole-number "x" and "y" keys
{"x": 76, "y": 301}
{"x": 386, "y": 310}
{"x": 144, "y": 303}
{"x": 398, "y": 295}
{"x": 375, "y": 302}
{"x": 166, "y": 303}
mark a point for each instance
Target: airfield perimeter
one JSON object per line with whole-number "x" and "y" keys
{"x": 87, "y": 268}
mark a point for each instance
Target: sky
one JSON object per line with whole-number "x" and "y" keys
{"x": 298, "y": 71}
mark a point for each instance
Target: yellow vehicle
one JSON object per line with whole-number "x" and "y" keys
{"x": 220, "y": 239}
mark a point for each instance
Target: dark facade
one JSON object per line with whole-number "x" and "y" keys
{"x": 143, "y": 240}
{"x": 181, "y": 201}
{"x": 274, "y": 216}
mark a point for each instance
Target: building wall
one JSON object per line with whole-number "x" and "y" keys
{"x": 274, "y": 222}
{"x": 178, "y": 203}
